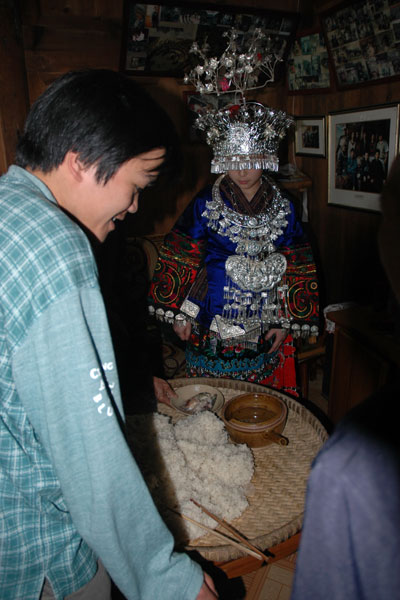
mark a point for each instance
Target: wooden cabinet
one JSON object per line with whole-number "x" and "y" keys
{"x": 365, "y": 357}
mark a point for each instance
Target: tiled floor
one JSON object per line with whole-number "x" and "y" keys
{"x": 272, "y": 582}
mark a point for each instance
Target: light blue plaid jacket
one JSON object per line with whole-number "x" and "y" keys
{"x": 37, "y": 536}
{"x": 70, "y": 490}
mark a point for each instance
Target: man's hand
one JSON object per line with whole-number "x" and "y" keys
{"x": 183, "y": 332}
{"x": 163, "y": 391}
{"x": 280, "y": 336}
{"x": 207, "y": 590}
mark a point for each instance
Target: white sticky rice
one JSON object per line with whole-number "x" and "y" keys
{"x": 192, "y": 459}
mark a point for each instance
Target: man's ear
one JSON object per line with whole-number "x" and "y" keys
{"x": 75, "y": 166}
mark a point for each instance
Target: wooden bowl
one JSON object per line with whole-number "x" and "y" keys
{"x": 256, "y": 419}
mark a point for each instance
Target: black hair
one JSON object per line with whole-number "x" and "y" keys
{"x": 102, "y": 115}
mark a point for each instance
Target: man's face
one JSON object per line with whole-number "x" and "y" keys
{"x": 106, "y": 202}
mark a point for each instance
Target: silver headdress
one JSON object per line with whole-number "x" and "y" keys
{"x": 245, "y": 135}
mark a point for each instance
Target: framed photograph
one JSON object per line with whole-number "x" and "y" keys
{"x": 310, "y": 136}
{"x": 157, "y": 37}
{"x": 363, "y": 39}
{"x": 362, "y": 146}
{"x": 308, "y": 64}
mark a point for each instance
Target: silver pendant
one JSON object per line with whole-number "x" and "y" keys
{"x": 257, "y": 276}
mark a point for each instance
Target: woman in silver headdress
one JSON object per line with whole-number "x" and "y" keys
{"x": 235, "y": 276}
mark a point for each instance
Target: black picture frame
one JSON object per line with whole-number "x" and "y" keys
{"x": 310, "y": 136}
{"x": 363, "y": 40}
{"x": 157, "y": 37}
{"x": 359, "y": 185}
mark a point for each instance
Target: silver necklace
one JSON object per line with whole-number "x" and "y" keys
{"x": 252, "y": 234}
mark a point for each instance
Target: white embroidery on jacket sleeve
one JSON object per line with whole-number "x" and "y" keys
{"x": 96, "y": 374}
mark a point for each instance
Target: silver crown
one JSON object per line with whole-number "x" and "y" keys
{"x": 245, "y": 136}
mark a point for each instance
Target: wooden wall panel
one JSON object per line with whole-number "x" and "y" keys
{"x": 60, "y": 36}
{"x": 103, "y": 9}
{"x": 13, "y": 90}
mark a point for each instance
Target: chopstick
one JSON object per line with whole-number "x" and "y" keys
{"x": 219, "y": 535}
{"x": 233, "y": 532}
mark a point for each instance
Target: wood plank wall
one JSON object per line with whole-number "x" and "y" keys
{"x": 62, "y": 35}
{"x": 14, "y": 102}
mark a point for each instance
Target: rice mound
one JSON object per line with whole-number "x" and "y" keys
{"x": 192, "y": 459}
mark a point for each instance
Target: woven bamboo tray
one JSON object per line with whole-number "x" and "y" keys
{"x": 276, "y": 501}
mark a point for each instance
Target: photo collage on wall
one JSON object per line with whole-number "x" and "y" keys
{"x": 308, "y": 65}
{"x": 159, "y": 37}
{"x": 364, "y": 41}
